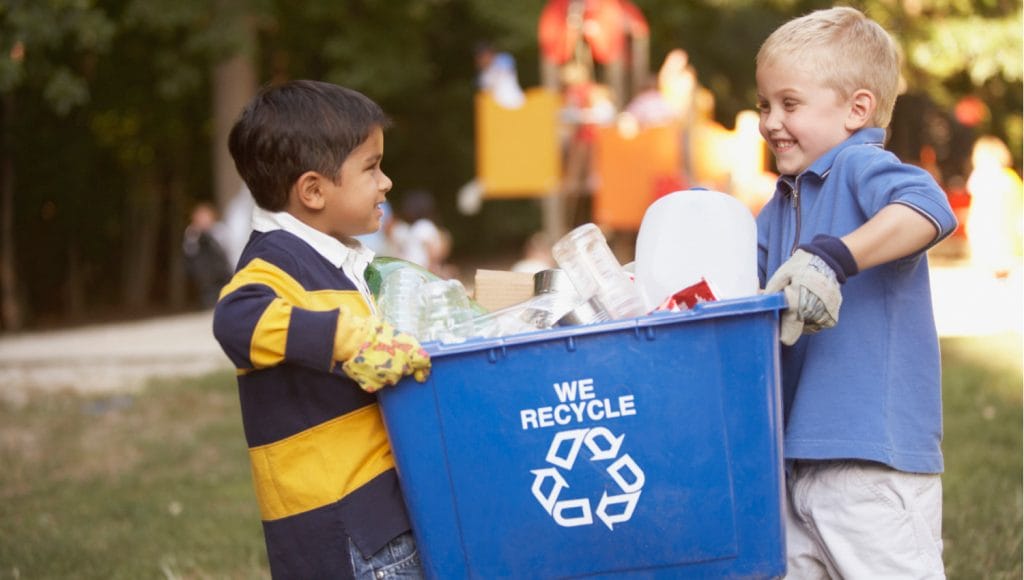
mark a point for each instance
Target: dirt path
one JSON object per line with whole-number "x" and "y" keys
{"x": 110, "y": 357}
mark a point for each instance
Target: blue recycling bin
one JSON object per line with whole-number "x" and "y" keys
{"x": 648, "y": 447}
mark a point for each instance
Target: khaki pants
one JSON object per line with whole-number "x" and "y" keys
{"x": 862, "y": 520}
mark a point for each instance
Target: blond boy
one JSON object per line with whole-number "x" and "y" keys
{"x": 849, "y": 225}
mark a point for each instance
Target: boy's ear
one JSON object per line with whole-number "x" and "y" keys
{"x": 862, "y": 109}
{"x": 309, "y": 190}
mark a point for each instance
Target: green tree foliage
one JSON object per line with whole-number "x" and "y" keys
{"x": 106, "y": 151}
{"x": 952, "y": 48}
{"x": 52, "y": 47}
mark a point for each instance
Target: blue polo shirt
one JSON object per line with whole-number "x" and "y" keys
{"x": 869, "y": 388}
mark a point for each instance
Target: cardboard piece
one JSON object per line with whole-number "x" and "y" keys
{"x": 496, "y": 289}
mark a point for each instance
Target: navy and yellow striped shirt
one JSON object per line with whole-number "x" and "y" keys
{"x": 321, "y": 460}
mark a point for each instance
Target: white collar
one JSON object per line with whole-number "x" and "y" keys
{"x": 352, "y": 253}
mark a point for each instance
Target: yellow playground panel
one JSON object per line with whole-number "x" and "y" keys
{"x": 517, "y": 150}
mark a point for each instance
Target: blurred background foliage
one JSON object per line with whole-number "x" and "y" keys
{"x": 111, "y": 128}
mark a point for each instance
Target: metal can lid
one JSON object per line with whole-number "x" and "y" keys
{"x": 587, "y": 312}
{"x": 552, "y": 280}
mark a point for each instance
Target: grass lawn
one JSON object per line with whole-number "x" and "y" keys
{"x": 982, "y": 486}
{"x": 154, "y": 485}
{"x": 157, "y": 485}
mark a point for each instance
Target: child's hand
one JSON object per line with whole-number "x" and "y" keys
{"x": 812, "y": 292}
{"x": 376, "y": 355}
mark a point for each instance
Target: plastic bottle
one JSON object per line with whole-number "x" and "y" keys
{"x": 399, "y": 299}
{"x": 595, "y": 272}
{"x": 445, "y": 310}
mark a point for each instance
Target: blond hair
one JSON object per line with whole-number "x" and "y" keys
{"x": 849, "y": 50}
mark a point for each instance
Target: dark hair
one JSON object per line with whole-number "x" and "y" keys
{"x": 296, "y": 127}
{"x": 417, "y": 204}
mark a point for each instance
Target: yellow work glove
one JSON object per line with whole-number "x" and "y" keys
{"x": 375, "y": 355}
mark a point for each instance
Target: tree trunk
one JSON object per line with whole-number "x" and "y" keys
{"x": 74, "y": 284}
{"x": 176, "y": 282}
{"x": 11, "y": 317}
{"x": 234, "y": 83}
{"x": 142, "y": 221}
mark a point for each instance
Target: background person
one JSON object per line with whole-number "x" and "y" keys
{"x": 995, "y": 214}
{"x": 536, "y": 254}
{"x": 498, "y": 76}
{"x": 206, "y": 260}
{"x": 416, "y": 234}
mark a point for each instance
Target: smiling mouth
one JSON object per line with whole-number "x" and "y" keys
{"x": 783, "y": 145}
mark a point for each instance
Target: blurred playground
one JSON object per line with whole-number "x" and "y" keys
{"x": 605, "y": 134}
{"x": 600, "y": 135}
{"x": 518, "y": 119}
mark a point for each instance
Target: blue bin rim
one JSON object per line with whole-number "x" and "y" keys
{"x": 704, "y": 310}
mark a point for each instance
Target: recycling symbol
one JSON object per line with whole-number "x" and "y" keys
{"x": 604, "y": 446}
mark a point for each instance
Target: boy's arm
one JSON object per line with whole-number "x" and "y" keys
{"x": 910, "y": 213}
{"x": 811, "y": 278}
{"x": 894, "y": 232}
{"x": 259, "y": 323}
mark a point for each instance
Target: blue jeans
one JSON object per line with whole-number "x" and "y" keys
{"x": 398, "y": 559}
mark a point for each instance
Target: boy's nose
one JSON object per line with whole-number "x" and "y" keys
{"x": 771, "y": 120}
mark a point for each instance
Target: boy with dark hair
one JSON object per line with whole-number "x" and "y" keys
{"x": 300, "y": 325}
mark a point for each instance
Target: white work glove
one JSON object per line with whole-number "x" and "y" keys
{"x": 811, "y": 281}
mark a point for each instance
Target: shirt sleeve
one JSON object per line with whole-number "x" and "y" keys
{"x": 886, "y": 180}
{"x": 262, "y": 320}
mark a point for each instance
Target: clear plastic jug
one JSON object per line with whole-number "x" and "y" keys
{"x": 595, "y": 272}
